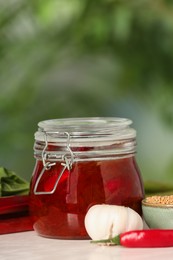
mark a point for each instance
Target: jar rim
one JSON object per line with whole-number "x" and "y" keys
{"x": 84, "y": 124}
{"x": 86, "y": 129}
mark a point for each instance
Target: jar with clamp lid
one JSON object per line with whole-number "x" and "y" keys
{"x": 81, "y": 162}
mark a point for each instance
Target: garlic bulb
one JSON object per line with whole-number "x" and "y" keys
{"x": 106, "y": 221}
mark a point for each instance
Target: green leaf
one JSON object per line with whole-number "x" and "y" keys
{"x": 11, "y": 184}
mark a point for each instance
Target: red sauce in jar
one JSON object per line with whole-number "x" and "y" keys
{"x": 62, "y": 213}
{"x": 105, "y": 172}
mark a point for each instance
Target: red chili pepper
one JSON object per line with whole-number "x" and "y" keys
{"x": 142, "y": 238}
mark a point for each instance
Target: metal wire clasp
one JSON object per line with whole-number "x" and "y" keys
{"x": 67, "y": 163}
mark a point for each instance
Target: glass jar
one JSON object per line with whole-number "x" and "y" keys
{"x": 81, "y": 162}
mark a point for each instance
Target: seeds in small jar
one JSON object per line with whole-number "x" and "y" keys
{"x": 164, "y": 200}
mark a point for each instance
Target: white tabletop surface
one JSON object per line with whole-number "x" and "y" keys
{"x": 30, "y": 246}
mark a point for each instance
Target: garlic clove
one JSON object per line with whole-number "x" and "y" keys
{"x": 134, "y": 220}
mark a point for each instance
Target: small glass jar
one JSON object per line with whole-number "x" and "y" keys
{"x": 81, "y": 162}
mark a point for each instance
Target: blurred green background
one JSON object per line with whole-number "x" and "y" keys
{"x": 77, "y": 58}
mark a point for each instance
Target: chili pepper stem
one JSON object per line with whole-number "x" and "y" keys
{"x": 115, "y": 241}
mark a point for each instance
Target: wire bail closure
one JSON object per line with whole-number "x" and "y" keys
{"x": 67, "y": 163}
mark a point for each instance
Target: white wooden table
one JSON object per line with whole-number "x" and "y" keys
{"x": 30, "y": 246}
